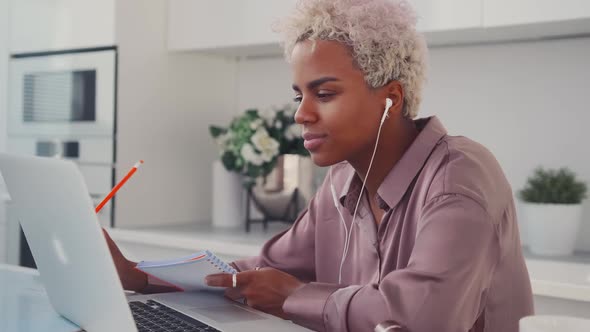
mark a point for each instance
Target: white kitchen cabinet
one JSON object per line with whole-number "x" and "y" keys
{"x": 203, "y": 24}
{"x": 245, "y": 27}
{"x": 534, "y": 19}
{"x": 47, "y": 25}
{"x": 4, "y": 37}
{"x": 511, "y": 12}
{"x": 442, "y": 15}
{"x": 3, "y": 223}
{"x": 225, "y": 26}
{"x": 240, "y": 28}
{"x": 3, "y": 247}
{"x": 4, "y": 199}
{"x": 258, "y": 17}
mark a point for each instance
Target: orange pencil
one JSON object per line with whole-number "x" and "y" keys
{"x": 118, "y": 186}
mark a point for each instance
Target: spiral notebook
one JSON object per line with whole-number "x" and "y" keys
{"x": 187, "y": 273}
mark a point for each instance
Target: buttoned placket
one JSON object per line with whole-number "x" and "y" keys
{"x": 370, "y": 228}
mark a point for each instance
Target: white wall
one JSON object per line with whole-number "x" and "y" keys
{"x": 263, "y": 82}
{"x": 527, "y": 102}
{"x": 166, "y": 102}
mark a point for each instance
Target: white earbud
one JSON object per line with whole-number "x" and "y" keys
{"x": 388, "y": 104}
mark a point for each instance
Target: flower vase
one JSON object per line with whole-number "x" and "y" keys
{"x": 228, "y": 198}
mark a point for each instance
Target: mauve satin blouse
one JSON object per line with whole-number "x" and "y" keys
{"x": 446, "y": 257}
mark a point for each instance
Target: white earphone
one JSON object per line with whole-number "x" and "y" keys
{"x": 388, "y": 104}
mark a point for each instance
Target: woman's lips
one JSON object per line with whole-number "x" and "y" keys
{"x": 313, "y": 141}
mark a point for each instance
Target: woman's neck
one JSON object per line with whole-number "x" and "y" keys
{"x": 393, "y": 143}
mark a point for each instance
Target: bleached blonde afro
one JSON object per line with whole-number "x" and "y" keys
{"x": 381, "y": 35}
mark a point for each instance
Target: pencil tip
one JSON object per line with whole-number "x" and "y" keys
{"x": 141, "y": 161}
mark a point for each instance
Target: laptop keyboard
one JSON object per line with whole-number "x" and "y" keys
{"x": 156, "y": 317}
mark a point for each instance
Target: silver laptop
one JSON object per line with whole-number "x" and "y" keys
{"x": 56, "y": 213}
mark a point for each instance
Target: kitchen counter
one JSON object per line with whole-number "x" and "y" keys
{"x": 222, "y": 241}
{"x": 560, "y": 279}
{"x": 564, "y": 278}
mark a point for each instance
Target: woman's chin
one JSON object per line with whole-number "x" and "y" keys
{"x": 322, "y": 159}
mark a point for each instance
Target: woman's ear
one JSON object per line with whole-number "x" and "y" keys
{"x": 395, "y": 91}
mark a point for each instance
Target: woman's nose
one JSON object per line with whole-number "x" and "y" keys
{"x": 306, "y": 113}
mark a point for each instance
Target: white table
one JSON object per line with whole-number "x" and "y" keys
{"x": 24, "y": 305}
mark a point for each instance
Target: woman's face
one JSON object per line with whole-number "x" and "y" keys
{"x": 339, "y": 112}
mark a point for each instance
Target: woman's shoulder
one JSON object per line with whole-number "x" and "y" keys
{"x": 459, "y": 165}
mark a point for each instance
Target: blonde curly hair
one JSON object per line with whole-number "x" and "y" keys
{"x": 380, "y": 34}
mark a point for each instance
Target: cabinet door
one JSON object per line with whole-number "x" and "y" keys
{"x": 511, "y": 12}
{"x": 258, "y": 17}
{"x": 442, "y": 15}
{"x": 223, "y": 24}
{"x": 46, "y": 25}
{"x": 3, "y": 222}
{"x": 203, "y": 24}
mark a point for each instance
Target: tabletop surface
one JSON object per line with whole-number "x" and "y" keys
{"x": 24, "y": 305}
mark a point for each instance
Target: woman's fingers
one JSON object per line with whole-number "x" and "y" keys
{"x": 242, "y": 279}
{"x": 262, "y": 289}
{"x": 233, "y": 294}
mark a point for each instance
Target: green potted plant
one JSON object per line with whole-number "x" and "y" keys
{"x": 252, "y": 143}
{"x": 249, "y": 149}
{"x": 552, "y": 208}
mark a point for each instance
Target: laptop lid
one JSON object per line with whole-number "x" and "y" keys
{"x": 51, "y": 202}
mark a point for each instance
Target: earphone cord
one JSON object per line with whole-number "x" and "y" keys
{"x": 343, "y": 224}
{"x": 347, "y": 240}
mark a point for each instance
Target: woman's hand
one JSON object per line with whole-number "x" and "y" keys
{"x": 131, "y": 278}
{"x": 265, "y": 289}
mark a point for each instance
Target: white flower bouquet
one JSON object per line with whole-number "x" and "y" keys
{"x": 253, "y": 141}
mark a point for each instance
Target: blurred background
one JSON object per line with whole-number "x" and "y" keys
{"x": 107, "y": 83}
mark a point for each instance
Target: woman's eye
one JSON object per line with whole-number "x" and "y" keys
{"x": 324, "y": 95}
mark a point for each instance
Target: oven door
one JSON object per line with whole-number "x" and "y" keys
{"x": 70, "y": 94}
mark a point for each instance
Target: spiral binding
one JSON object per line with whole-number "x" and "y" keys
{"x": 219, "y": 264}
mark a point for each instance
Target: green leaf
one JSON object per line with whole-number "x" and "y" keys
{"x": 216, "y": 131}
{"x": 253, "y": 113}
{"x": 229, "y": 161}
{"x": 553, "y": 186}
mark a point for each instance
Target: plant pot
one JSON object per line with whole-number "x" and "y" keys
{"x": 276, "y": 191}
{"x": 552, "y": 229}
{"x": 228, "y": 198}
{"x": 283, "y": 193}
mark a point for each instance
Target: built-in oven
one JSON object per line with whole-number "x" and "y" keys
{"x": 62, "y": 104}
{"x": 62, "y": 94}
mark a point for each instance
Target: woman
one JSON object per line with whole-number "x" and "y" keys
{"x": 411, "y": 224}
